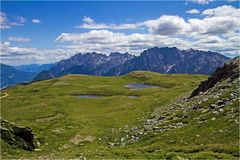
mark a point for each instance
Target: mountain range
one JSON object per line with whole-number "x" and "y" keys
{"x": 90, "y": 63}
{"x": 162, "y": 60}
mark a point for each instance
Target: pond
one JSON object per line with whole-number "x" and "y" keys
{"x": 133, "y": 96}
{"x": 97, "y": 96}
{"x": 90, "y": 96}
{"x": 138, "y": 86}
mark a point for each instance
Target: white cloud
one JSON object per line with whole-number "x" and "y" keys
{"x": 18, "y": 39}
{"x": 218, "y": 21}
{"x": 13, "y": 55}
{"x": 193, "y": 11}
{"x": 106, "y": 41}
{"x": 3, "y": 21}
{"x": 200, "y": 1}
{"x": 88, "y": 20}
{"x": 36, "y": 21}
{"x": 167, "y": 25}
{"x": 225, "y": 10}
{"x": 6, "y": 24}
{"x": 216, "y": 30}
{"x": 89, "y": 23}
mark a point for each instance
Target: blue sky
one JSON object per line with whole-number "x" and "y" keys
{"x": 43, "y": 32}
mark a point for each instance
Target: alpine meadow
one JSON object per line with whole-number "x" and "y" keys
{"x": 120, "y": 79}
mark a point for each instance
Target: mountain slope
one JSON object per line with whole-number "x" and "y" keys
{"x": 205, "y": 125}
{"x": 34, "y": 68}
{"x": 10, "y": 76}
{"x": 172, "y": 60}
{"x": 89, "y": 63}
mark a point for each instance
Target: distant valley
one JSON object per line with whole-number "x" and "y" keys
{"x": 11, "y": 75}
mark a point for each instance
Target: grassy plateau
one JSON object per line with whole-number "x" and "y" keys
{"x": 67, "y": 126}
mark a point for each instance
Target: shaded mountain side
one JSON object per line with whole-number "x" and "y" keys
{"x": 89, "y": 63}
{"x": 229, "y": 70}
{"x": 34, "y": 68}
{"x": 10, "y": 76}
{"x": 172, "y": 60}
{"x": 44, "y": 75}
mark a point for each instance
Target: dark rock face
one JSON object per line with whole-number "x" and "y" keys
{"x": 17, "y": 136}
{"x": 229, "y": 70}
{"x": 89, "y": 63}
{"x": 24, "y": 133}
{"x": 172, "y": 60}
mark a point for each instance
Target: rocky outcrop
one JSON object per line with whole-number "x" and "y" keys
{"x": 229, "y": 70}
{"x": 17, "y": 136}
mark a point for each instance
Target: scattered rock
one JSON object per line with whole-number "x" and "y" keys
{"x": 17, "y": 136}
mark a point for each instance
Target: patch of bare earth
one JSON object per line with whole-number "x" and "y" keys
{"x": 79, "y": 139}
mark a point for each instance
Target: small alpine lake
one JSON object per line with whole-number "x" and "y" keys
{"x": 139, "y": 86}
{"x": 86, "y": 96}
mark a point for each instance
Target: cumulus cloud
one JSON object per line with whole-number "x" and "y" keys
{"x": 225, "y": 10}
{"x": 217, "y": 21}
{"x": 36, "y": 21}
{"x": 167, "y": 25}
{"x": 220, "y": 20}
{"x": 6, "y": 23}
{"x": 106, "y": 41}
{"x": 216, "y": 28}
{"x": 18, "y": 39}
{"x": 193, "y": 11}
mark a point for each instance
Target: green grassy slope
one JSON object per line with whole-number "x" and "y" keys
{"x": 70, "y": 127}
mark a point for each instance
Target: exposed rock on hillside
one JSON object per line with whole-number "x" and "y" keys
{"x": 229, "y": 70}
{"x": 17, "y": 136}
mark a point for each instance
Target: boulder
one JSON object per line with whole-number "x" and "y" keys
{"x": 17, "y": 136}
